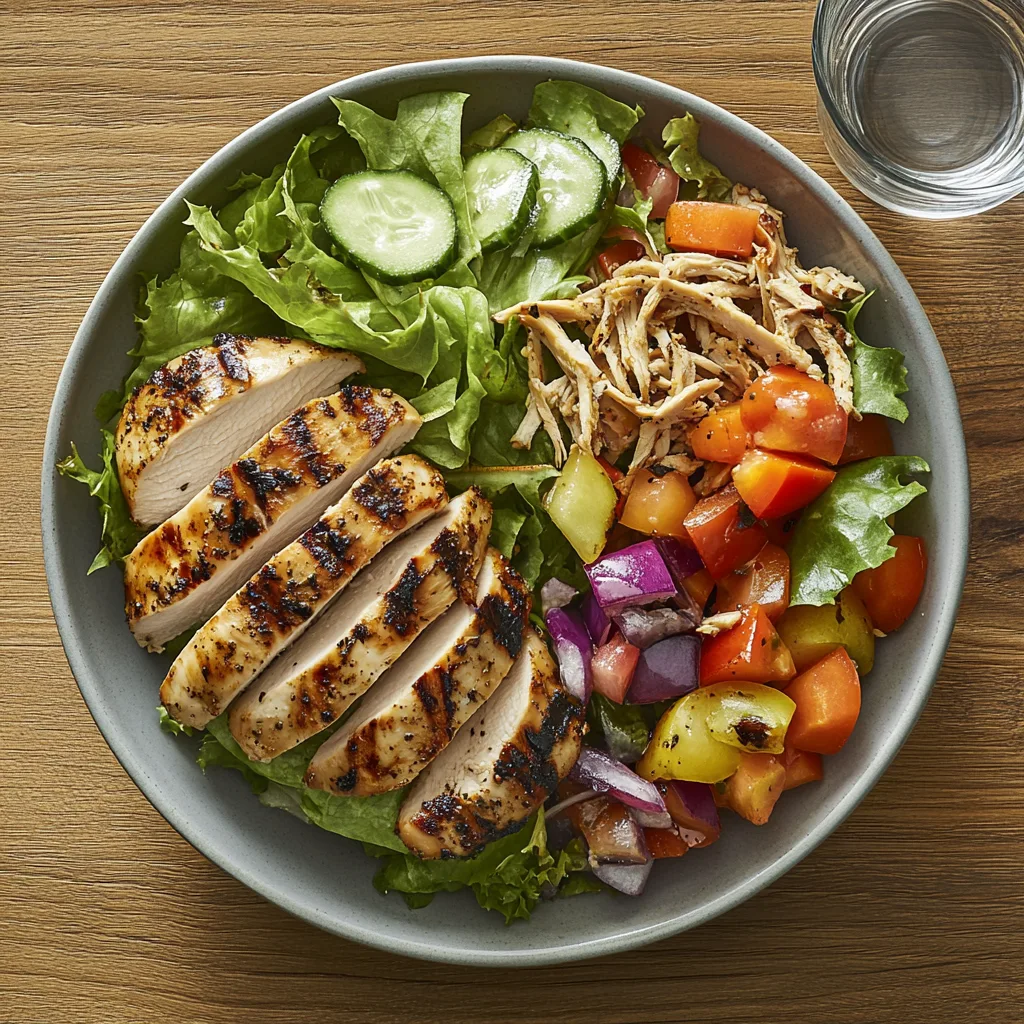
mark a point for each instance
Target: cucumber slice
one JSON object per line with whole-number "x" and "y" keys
{"x": 606, "y": 149}
{"x": 572, "y": 183}
{"x": 396, "y": 226}
{"x": 502, "y": 187}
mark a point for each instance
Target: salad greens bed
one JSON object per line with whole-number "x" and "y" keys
{"x": 264, "y": 264}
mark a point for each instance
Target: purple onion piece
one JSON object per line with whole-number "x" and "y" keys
{"x": 573, "y": 651}
{"x": 603, "y": 774}
{"x": 643, "y": 627}
{"x": 598, "y": 624}
{"x": 682, "y": 561}
{"x": 555, "y": 594}
{"x": 627, "y": 878}
{"x": 666, "y": 670}
{"x": 698, "y": 803}
{"x": 635, "y": 575}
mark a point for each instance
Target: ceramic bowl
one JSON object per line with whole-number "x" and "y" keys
{"x": 326, "y": 879}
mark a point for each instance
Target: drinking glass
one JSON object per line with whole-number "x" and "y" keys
{"x": 921, "y": 102}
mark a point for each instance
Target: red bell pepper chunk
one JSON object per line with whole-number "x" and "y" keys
{"x": 891, "y": 590}
{"x": 724, "y": 531}
{"x": 751, "y": 652}
{"x": 774, "y": 485}
{"x": 827, "y": 698}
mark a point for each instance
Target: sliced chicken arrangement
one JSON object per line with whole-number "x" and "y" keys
{"x": 413, "y": 711}
{"x": 503, "y": 764}
{"x": 204, "y": 409}
{"x": 405, "y": 588}
{"x": 182, "y": 571}
{"x": 296, "y": 586}
{"x": 330, "y": 579}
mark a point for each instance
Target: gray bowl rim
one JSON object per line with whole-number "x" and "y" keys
{"x": 956, "y": 487}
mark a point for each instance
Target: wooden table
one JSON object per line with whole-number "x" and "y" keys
{"x": 912, "y": 912}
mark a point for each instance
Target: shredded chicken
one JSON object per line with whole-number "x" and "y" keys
{"x": 650, "y": 351}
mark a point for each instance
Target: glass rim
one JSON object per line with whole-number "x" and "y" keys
{"x": 1012, "y": 186}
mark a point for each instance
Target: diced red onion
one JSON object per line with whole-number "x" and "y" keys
{"x": 603, "y": 774}
{"x": 555, "y": 594}
{"x": 633, "y": 575}
{"x": 627, "y": 878}
{"x": 693, "y": 806}
{"x": 573, "y": 650}
{"x": 666, "y": 670}
{"x": 682, "y": 561}
{"x": 643, "y": 627}
{"x": 599, "y": 626}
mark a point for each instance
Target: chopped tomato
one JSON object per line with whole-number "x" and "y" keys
{"x": 774, "y": 485}
{"x": 665, "y": 842}
{"x": 615, "y": 475}
{"x": 752, "y": 651}
{"x": 695, "y": 831}
{"x": 787, "y": 411}
{"x": 622, "y": 252}
{"x": 754, "y": 788}
{"x": 699, "y": 586}
{"x": 780, "y": 531}
{"x": 658, "y": 503}
{"x": 763, "y": 581}
{"x": 865, "y": 439}
{"x": 724, "y": 531}
{"x": 720, "y": 436}
{"x": 801, "y": 766}
{"x": 891, "y": 591}
{"x": 613, "y": 665}
{"x": 827, "y": 698}
{"x": 655, "y": 181}
{"x": 717, "y": 228}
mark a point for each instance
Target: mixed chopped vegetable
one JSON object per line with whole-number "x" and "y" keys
{"x": 680, "y": 433}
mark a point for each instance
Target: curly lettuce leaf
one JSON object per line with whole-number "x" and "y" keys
{"x": 845, "y": 529}
{"x": 365, "y": 819}
{"x": 681, "y": 137}
{"x": 508, "y": 876}
{"x": 119, "y": 534}
{"x": 426, "y": 138}
{"x": 171, "y": 725}
{"x": 187, "y": 309}
{"x": 879, "y": 375}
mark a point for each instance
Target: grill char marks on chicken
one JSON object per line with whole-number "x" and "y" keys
{"x": 277, "y": 604}
{"x": 204, "y": 409}
{"x": 407, "y": 586}
{"x": 414, "y": 709}
{"x": 182, "y": 571}
{"x": 502, "y": 765}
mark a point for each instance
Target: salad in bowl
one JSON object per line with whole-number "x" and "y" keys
{"x": 511, "y": 501}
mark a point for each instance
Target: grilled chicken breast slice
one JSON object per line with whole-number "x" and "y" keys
{"x": 412, "y": 712}
{"x": 203, "y": 409}
{"x": 407, "y": 586}
{"x": 296, "y": 586}
{"x": 182, "y": 571}
{"x": 503, "y": 764}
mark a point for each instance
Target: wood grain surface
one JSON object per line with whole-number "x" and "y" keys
{"x": 912, "y": 912}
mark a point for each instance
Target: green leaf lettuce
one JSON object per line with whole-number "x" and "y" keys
{"x": 844, "y": 530}
{"x": 879, "y": 375}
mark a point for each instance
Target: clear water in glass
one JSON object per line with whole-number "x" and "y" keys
{"x": 921, "y": 102}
